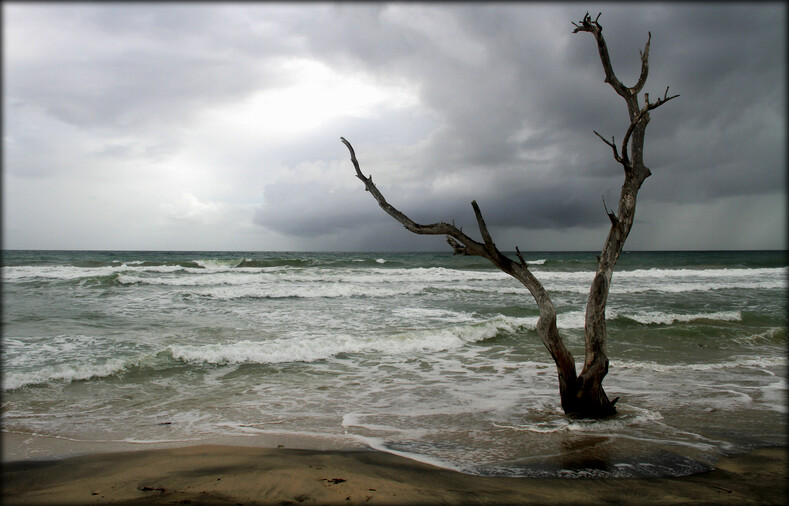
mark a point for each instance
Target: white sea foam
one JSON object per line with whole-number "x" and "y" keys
{"x": 309, "y": 291}
{"x": 321, "y": 347}
{"x": 420, "y": 274}
{"x": 576, "y": 319}
{"x": 70, "y": 272}
{"x": 571, "y": 320}
{"x": 213, "y": 268}
{"x": 671, "y": 280}
{"x": 423, "y": 313}
{"x": 759, "y": 362}
{"x": 36, "y": 352}
{"x": 354, "y": 420}
{"x": 209, "y": 279}
{"x": 682, "y": 280}
{"x": 632, "y": 416}
{"x": 375, "y": 282}
{"x": 62, "y": 272}
{"x": 769, "y": 272}
{"x": 219, "y": 264}
{"x": 775, "y": 395}
{"x": 63, "y": 372}
{"x": 92, "y": 440}
{"x": 768, "y": 335}
{"x": 152, "y": 268}
{"x": 702, "y": 286}
{"x": 661, "y": 318}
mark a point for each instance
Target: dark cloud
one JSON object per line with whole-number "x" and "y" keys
{"x": 531, "y": 87}
{"x": 287, "y": 205}
{"x": 508, "y": 98}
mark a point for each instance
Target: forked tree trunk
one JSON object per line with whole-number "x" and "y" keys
{"x": 581, "y": 395}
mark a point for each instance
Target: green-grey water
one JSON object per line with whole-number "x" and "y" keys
{"x": 427, "y": 355}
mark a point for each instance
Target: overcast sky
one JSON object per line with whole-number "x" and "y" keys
{"x": 216, "y": 126}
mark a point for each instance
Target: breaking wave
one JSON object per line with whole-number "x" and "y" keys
{"x": 66, "y": 373}
{"x": 314, "y": 348}
{"x": 661, "y": 318}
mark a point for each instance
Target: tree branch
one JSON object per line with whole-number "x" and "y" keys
{"x": 660, "y": 101}
{"x": 483, "y": 229}
{"x": 611, "y": 215}
{"x": 461, "y": 243}
{"x": 613, "y": 146}
{"x": 593, "y": 27}
{"x": 520, "y": 257}
{"x": 647, "y": 107}
{"x": 642, "y": 79}
{"x": 457, "y": 248}
{"x": 624, "y": 159}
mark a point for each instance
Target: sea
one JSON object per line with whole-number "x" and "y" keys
{"x": 430, "y": 356}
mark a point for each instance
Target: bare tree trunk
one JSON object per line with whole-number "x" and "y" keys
{"x": 581, "y": 395}
{"x": 591, "y": 397}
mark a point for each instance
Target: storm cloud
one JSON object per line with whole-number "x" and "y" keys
{"x": 216, "y": 126}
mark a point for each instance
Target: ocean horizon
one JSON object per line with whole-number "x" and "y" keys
{"x": 422, "y": 354}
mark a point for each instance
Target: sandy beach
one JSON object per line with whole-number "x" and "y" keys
{"x": 219, "y": 474}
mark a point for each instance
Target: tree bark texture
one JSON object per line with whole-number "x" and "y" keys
{"x": 581, "y": 395}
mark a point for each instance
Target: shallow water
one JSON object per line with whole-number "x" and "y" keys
{"x": 431, "y": 356}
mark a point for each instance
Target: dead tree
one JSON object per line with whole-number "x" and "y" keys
{"x": 582, "y": 395}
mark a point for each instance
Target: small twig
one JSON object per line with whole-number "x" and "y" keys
{"x": 611, "y": 215}
{"x": 612, "y": 144}
{"x": 520, "y": 257}
{"x": 642, "y": 78}
{"x": 483, "y": 229}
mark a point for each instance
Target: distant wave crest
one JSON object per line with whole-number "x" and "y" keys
{"x": 661, "y": 318}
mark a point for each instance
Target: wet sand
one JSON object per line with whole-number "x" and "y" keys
{"x": 219, "y": 474}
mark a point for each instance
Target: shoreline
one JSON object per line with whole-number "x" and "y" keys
{"x": 21, "y": 446}
{"x": 224, "y": 474}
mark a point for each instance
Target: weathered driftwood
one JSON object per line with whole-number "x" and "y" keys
{"x": 581, "y": 395}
